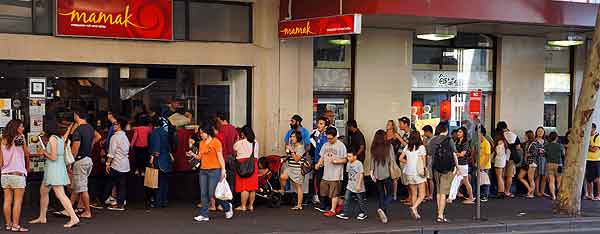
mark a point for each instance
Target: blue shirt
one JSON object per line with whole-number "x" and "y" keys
{"x": 111, "y": 132}
{"x": 320, "y": 138}
{"x": 305, "y": 136}
{"x": 159, "y": 143}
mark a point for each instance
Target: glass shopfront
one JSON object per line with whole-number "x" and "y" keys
{"x": 453, "y": 80}
{"x": 40, "y": 93}
{"x": 557, "y": 89}
{"x": 332, "y": 86}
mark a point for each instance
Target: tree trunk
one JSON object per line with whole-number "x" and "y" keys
{"x": 569, "y": 197}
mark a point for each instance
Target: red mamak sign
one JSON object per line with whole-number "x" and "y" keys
{"x": 324, "y": 26}
{"x": 129, "y": 19}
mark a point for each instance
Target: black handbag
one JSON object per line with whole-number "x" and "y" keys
{"x": 194, "y": 163}
{"x": 246, "y": 169}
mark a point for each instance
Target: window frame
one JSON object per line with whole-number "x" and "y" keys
{"x": 250, "y": 5}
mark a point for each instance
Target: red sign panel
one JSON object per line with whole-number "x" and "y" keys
{"x": 324, "y": 26}
{"x": 475, "y": 103}
{"x": 129, "y": 19}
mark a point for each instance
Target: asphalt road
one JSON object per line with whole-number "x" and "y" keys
{"x": 178, "y": 218}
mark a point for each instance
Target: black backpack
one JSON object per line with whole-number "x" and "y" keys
{"x": 443, "y": 157}
{"x": 515, "y": 155}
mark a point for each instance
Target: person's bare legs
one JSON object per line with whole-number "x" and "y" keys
{"x": 44, "y": 200}
{"x": 551, "y": 181}
{"x": 543, "y": 182}
{"x": 441, "y": 205}
{"x": 500, "y": 179}
{"x": 597, "y": 181}
{"x": 64, "y": 200}
{"x": 299, "y": 193}
{"x": 522, "y": 174}
{"x": 538, "y": 183}
{"x": 418, "y": 191}
{"x": 85, "y": 198}
{"x": 252, "y": 197}
{"x": 283, "y": 181}
{"x": 17, "y": 202}
{"x": 508, "y": 182}
{"x": 531, "y": 176}
{"x": 589, "y": 191}
{"x": 244, "y": 198}
{"x": 334, "y": 203}
{"x": 7, "y": 207}
{"x": 467, "y": 183}
{"x": 430, "y": 189}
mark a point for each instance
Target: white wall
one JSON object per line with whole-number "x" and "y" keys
{"x": 383, "y": 78}
{"x": 295, "y": 87}
{"x": 520, "y": 83}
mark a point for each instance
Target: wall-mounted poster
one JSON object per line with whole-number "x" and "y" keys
{"x": 5, "y": 111}
{"x": 37, "y": 87}
{"x": 37, "y": 123}
{"x": 37, "y": 106}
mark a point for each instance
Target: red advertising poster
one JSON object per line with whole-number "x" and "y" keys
{"x": 324, "y": 26}
{"x": 475, "y": 103}
{"x": 127, "y": 19}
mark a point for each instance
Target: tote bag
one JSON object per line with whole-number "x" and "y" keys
{"x": 151, "y": 178}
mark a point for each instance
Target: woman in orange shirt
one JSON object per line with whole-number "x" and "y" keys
{"x": 212, "y": 170}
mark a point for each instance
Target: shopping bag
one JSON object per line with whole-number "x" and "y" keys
{"x": 223, "y": 192}
{"x": 69, "y": 159}
{"x": 484, "y": 178}
{"x": 151, "y": 178}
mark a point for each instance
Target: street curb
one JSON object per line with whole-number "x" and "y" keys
{"x": 490, "y": 227}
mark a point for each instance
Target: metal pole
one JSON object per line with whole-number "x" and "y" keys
{"x": 475, "y": 143}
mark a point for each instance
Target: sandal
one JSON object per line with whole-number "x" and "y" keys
{"x": 413, "y": 213}
{"x": 239, "y": 208}
{"x": 61, "y": 214}
{"x": 37, "y": 221}
{"x": 441, "y": 220}
{"x": 18, "y": 229}
{"x": 297, "y": 208}
{"x": 8, "y": 227}
{"x": 70, "y": 225}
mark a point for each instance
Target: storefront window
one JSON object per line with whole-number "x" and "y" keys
{"x": 201, "y": 92}
{"x": 453, "y": 81}
{"x": 15, "y": 16}
{"x": 43, "y": 16}
{"x": 220, "y": 21}
{"x": 332, "y": 86}
{"x": 557, "y": 89}
{"x": 179, "y": 24}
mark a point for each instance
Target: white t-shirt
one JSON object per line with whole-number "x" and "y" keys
{"x": 330, "y": 152}
{"x": 411, "y": 159}
{"x": 244, "y": 149}
{"x": 118, "y": 150}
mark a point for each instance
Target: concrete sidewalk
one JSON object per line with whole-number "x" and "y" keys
{"x": 502, "y": 216}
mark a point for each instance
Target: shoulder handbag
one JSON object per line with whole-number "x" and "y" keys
{"x": 246, "y": 169}
{"x": 305, "y": 166}
{"x": 69, "y": 159}
{"x": 395, "y": 171}
{"x": 421, "y": 166}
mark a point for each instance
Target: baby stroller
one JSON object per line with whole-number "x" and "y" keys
{"x": 268, "y": 176}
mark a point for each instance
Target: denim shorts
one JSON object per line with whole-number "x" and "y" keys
{"x": 13, "y": 182}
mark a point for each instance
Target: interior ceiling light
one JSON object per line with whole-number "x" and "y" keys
{"x": 566, "y": 39}
{"x": 340, "y": 42}
{"x": 436, "y": 32}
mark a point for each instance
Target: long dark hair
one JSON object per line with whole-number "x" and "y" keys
{"x": 465, "y": 137}
{"x": 414, "y": 141}
{"x": 380, "y": 149}
{"x": 248, "y": 133}
{"x": 544, "y": 130}
{"x": 11, "y": 132}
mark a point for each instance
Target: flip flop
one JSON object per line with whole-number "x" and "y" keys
{"x": 82, "y": 217}
{"x": 37, "y": 221}
{"x": 18, "y": 229}
{"x": 61, "y": 214}
{"x": 239, "y": 208}
{"x": 441, "y": 220}
{"x": 8, "y": 227}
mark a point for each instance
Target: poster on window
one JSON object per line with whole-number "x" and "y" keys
{"x": 37, "y": 123}
{"x": 37, "y": 87}
{"x": 37, "y": 106}
{"x": 5, "y": 111}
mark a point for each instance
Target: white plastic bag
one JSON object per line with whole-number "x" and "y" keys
{"x": 223, "y": 192}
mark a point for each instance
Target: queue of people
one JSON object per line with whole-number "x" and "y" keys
{"x": 435, "y": 165}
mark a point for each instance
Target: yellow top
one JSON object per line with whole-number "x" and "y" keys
{"x": 594, "y": 156}
{"x": 484, "y": 155}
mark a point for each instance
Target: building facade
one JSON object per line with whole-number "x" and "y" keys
{"x": 226, "y": 56}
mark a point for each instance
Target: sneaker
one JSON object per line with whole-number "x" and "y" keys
{"x": 201, "y": 218}
{"x": 229, "y": 214}
{"x": 361, "y": 216}
{"x": 116, "y": 208}
{"x": 110, "y": 201}
{"x": 342, "y": 216}
{"x": 382, "y": 216}
{"x": 484, "y": 199}
{"x": 329, "y": 214}
{"x": 320, "y": 210}
{"x": 315, "y": 199}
